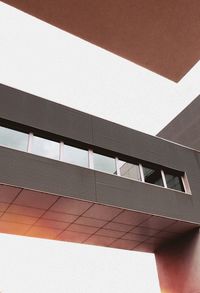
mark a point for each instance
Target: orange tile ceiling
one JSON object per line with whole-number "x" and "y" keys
{"x": 38, "y": 214}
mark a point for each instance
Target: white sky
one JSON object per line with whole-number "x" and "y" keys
{"x": 31, "y": 265}
{"x": 43, "y": 60}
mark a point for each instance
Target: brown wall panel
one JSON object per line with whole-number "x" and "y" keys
{"x": 162, "y": 36}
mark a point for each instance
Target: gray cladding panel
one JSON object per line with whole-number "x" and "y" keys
{"x": 44, "y": 115}
{"x": 38, "y": 173}
{"x": 43, "y": 174}
{"x": 132, "y": 143}
{"x": 58, "y": 120}
{"x": 184, "y": 128}
{"x": 47, "y": 175}
{"x": 144, "y": 197}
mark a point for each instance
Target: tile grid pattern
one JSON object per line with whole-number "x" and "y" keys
{"x": 70, "y": 224}
{"x": 35, "y": 223}
{"x": 38, "y": 214}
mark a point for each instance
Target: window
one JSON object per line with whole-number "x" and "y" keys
{"x": 153, "y": 175}
{"x": 147, "y": 172}
{"x": 75, "y": 156}
{"x": 129, "y": 170}
{"x": 174, "y": 181}
{"x": 44, "y": 147}
{"x": 13, "y": 139}
{"x": 104, "y": 164}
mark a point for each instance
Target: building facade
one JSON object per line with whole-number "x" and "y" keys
{"x": 184, "y": 128}
{"x": 71, "y": 176}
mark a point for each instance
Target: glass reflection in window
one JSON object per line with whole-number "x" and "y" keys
{"x": 174, "y": 182}
{"x": 104, "y": 164}
{"x": 44, "y": 147}
{"x": 75, "y": 156}
{"x": 13, "y": 139}
{"x": 129, "y": 170}
{"x": 153, "y": 176}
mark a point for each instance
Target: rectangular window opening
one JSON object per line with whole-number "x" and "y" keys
{"x": 13, "y": 139}
{"x": 44, "y": 147}
{"x": 145, "y": 172}
{"x": 174, "y": 181}
{"x": 104, "y": 164}
{"x": 153, "y": 175}
{"x": 129, "y": 170}
{"x": 76, "y": 156}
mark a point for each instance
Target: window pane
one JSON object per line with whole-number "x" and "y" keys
{"x": 44, "y": 147}
{"x": 174, "y": 182}
{"x": 104, "y": 164}
{"x": 75, "y": 156}
{"x": 129, "y": 170}
{"x": 153, "y": 176}
{"x": 13, "y": 139}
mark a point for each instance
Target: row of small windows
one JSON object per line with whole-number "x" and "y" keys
{"x": 89, "y": 159}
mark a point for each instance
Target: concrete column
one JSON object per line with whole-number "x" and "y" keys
{"x": 178, "y": 264}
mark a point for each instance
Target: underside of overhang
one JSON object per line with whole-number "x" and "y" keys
{"x": 38, "y": 214}
{"x": 162, "y": 36}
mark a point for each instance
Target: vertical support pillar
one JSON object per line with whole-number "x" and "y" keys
{"x": 178, "y": 264}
